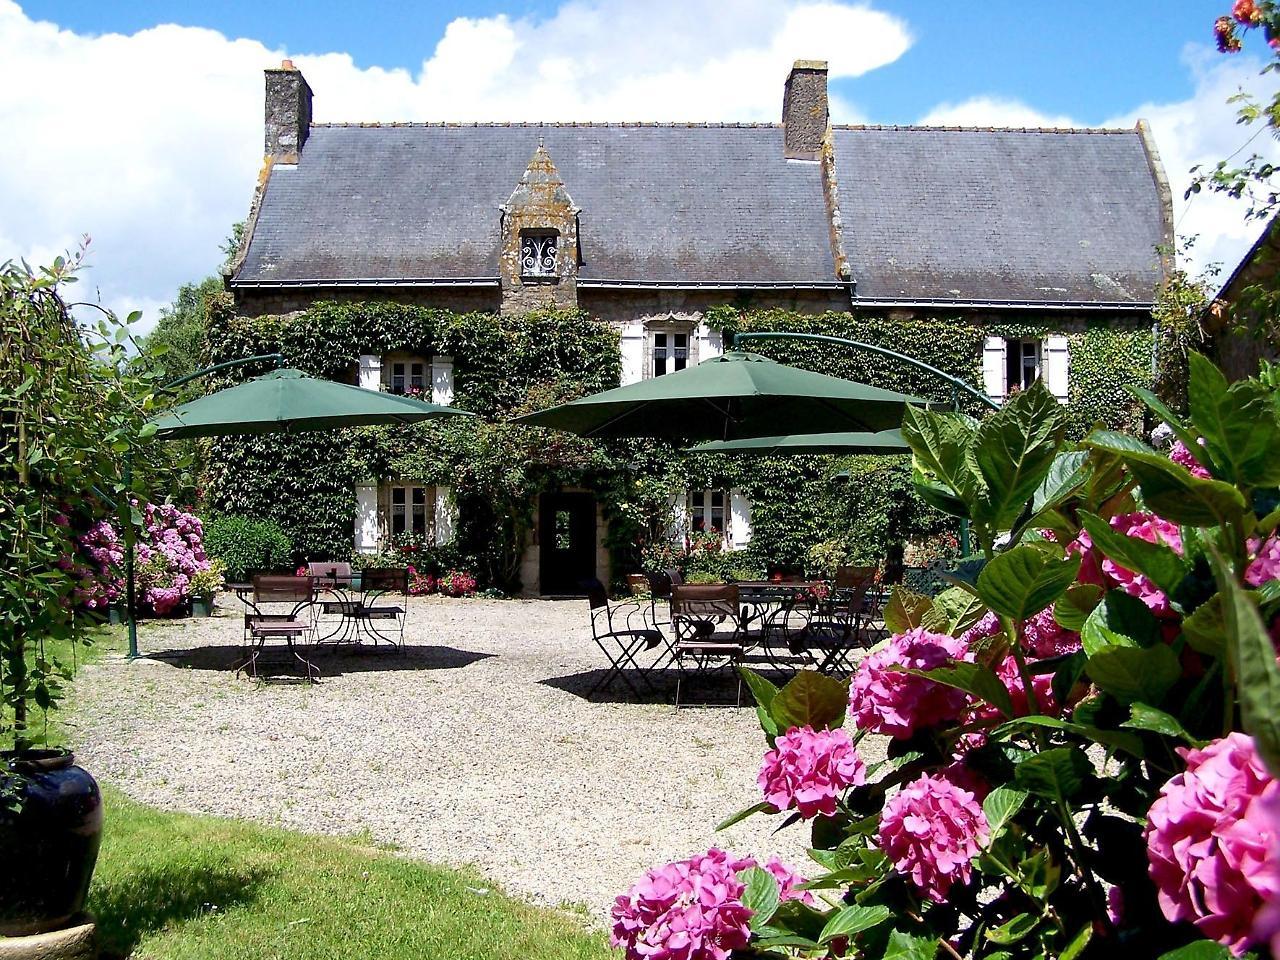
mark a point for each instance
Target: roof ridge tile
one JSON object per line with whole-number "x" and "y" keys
{"x": 1085, "y": 131}
{"x": 555, "y": 124}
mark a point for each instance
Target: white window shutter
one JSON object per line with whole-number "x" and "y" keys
{"x": 710, "y": 342}
{"x": 442, "y": 380}
{"x": 739, "y": 519}
{"x": 632, "y": 343}
{"x": 1057, "y": 367}
{"x": 370, "y": 371}
{"x": 446, "y": 515}
{"x": 678, "y": 517}
{"x": 993, "y": 368}
{"x": 367, "y": 533}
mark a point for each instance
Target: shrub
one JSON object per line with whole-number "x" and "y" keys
{"x": 457, "y": 583}
{"x": 246, "y": 545}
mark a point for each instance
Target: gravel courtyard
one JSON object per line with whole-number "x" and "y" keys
{"x": 474, "y": 746}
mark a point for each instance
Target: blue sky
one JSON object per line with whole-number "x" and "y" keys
{"x": 1089, "y": 59}
{"x": 140, "y": 124}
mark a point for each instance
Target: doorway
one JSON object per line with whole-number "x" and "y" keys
{"x": 567, "y": 542}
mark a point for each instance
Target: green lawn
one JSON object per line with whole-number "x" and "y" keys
{"x": 181, "y": 887}
{"x": 177, "y": 887}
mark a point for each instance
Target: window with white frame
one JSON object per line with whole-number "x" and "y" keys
{"x": 408, "y": 375}
{"x": 407, "y": 510}
{"x": 1021, "y": 364}
{"x": 708, "y": 511}
{"x": 670, "y": 351}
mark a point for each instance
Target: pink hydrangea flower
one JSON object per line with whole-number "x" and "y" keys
{"x": 688, "y": 910}
{"x": 1210, "y": 835}
{"x": 1105, "y": 572}
{"x": 1044, "y": 637}
{"x": 1182, "y": 456}
{"x": 896, "y": 703}
{"x": 930, "y": 830}
{"x": 1266, "y": 928}
{"x": 809, "y": 769}
{"x": 1265, "y": 564}
{"x": 786, "y": 875}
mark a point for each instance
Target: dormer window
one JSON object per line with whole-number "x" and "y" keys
{"x": 538, "y": 254}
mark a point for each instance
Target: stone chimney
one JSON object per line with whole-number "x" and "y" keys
{"x": 804, "y": 110}
{"x": 288, "y": 112}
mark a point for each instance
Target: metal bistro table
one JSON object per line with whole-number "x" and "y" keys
{"x": 780, "y": 609}
{"x": 350, "y": 611}
{"x": 256, "y": 635}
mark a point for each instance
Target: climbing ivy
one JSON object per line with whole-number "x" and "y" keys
{"x": 508, "y": 365}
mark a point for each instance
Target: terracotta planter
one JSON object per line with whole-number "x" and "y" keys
{"x": 50, "y": 844}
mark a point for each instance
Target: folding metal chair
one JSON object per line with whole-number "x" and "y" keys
{"x": 377, "y": 582}
{"x": 620, "y": 631}
{"x": 296, "y": 626}
{"x": 336, "y": 608}
{"x": 839, "y": 624}
{"x": 697, "y": 612}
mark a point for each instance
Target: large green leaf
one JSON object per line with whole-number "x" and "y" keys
{"x": 906, "y": 609}
{"x": 1180, "y": 429}
{"x": 1058, "y": 774}
{"x": 1000, "y": 806}
{"x": 1206, "y": 627}
{"x": 1074, "y": 606}
{"x": 763, "y": 691}
{"x": 1155, "y": 561}
{"x": 810, "y": 698}
{"x": 742, "y": 814}
{"x": 1014, "y": 930}
{"x": 1238, "y": 423}
{"x": 761, "y": 897}
{"x": 1135, "y": 674}
{"x": 958, "y": 609}
{"x": 1021, "y": 582}
{"x": 1013, "y": 451}
{"x": 941, "y": 468}
{"x": 1143, "y": 717}
{"x": 1167, "y": 488}
{"x": 853, "y": 919}
{"x": 1199, "y": 950}
{"x": 1069, "y": 472}
{"x": 973, "y": 678}
{"x": 1130, "y": 743}
{"x": 1119, "y": 621}
{"x": 909, "y": 946}
{"x": 1253, "y": 657}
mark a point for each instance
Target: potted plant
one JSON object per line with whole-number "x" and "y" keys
{"x": 50, "y": 809}
{"x": 205, "y": 585}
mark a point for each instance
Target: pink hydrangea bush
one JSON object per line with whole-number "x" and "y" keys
{"x": 884, "y": 699}
{"x": 931, "y": 830}
{"x": 1211, "y": 837}
{"x": 688, "y": 910}
{"x": 1105, "y": 572}
{"x": 809, "y": 770}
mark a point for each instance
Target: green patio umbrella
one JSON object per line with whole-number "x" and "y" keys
{"x": 290, "y": 401}
{"x": 729, "y": 397}
{"x": 883, "y": 442}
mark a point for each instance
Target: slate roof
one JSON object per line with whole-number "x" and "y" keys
{"x": 1024, "y": 215}
{"x": 928, "y": 213}
{"x": 659, "y": 203}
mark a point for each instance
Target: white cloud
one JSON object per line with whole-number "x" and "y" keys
{"x": 1200, "y": 130}
{"x": 151, "y": 142}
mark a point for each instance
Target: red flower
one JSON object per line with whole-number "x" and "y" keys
{"x": 1247, "y": 12}
{"x": 1224, "y": 32}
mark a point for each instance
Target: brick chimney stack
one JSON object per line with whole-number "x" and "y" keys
{"x": 288, "y": 112}
{"x": 804, "y": 110}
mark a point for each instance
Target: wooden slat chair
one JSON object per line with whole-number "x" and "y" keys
{"x": 283, "y": 607}
{"x": 840, "y": 623}
{"x": 621, "y": 631}
{"x": 699, "y": 614}
{"x": 377, "y": 582}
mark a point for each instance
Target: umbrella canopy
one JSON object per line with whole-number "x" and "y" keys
{"x": 290, "y": 401}
{"x": 884, "y": 442}
{"x": 729, "y": 397}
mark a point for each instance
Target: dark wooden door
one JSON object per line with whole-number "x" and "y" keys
{"x": 567, "y": 542}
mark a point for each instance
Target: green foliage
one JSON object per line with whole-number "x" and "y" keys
{"x": 71, "y": 410}
{"x": 245, "y": 545}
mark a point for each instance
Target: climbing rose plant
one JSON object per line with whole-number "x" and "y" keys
{"x": 1082, "y": 733}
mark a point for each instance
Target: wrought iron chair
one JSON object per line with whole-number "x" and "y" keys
{"x": 698, "y": 615}
{"x": 840, "y": 623}
{"x": 377, "y": 582}
{"x": 621, "y": 631}
{"x": 266, "y": 618}
{"x": 336, "y": 609}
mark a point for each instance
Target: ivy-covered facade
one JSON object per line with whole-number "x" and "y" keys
{"x": 503, "y": 268}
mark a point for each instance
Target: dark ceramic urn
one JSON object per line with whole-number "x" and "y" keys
{"x": 49, "y": 843}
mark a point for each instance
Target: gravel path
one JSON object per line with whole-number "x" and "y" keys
{"x": 473, "y": 746}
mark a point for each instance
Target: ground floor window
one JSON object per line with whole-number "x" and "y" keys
{"x": 1022, "y": 364}
{"x": 409, "y": 377}
{"x": 707, "y": 511}
{"x": 408, "y": 514}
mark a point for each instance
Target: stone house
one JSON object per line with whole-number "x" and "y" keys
{"x": 647, "y": 225}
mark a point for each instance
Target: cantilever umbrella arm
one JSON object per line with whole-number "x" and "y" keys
{"x": 125, "y": 506}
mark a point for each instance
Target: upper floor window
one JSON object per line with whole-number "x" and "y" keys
{"x": 408, "y": 514}
{"x": 538, "y": 254}
{"x": 409, "y": 376}
{"x": 670, "y": 352}
{"x": 1022, "y": 364}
